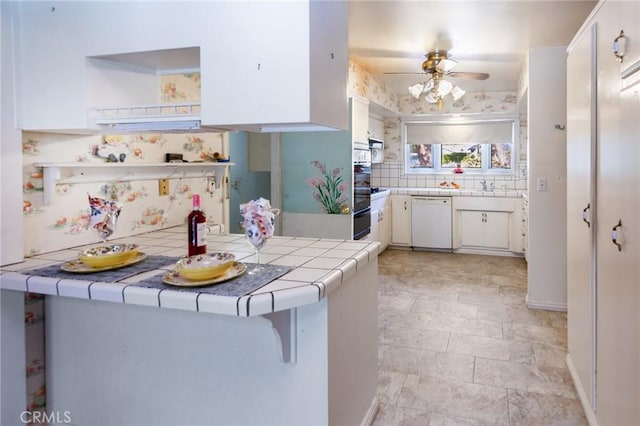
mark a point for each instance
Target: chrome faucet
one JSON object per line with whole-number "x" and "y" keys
{"x": 487, "y": 186}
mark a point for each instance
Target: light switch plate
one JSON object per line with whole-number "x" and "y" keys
{"x": 163, "y": 187}
{"x": 542, "y": 184}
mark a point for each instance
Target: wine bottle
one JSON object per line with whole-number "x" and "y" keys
{"x": 197, "y": 223}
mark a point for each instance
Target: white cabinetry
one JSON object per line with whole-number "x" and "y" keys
{"x": 284, "y": 63}
{"x": 360, "y": 122}
{"x": 525, "y": 227}
{"x": 484, "y": 229}
{"x": 376, "y": 128}
{"x": 489, "y": 224}
{"x": 603, "y": 206}
{"x": 401, "y": 223}
{"x": 381, "y": 221}
{"x": 287, "y": 72}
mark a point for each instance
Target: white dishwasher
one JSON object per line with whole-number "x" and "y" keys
{"x": 431, "y": 222}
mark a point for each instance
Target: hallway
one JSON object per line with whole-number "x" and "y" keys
{"x": 457, "y": 345}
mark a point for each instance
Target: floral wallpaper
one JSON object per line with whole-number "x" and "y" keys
{"x": 390, "y": 174}
{"x": 63, "y": 223}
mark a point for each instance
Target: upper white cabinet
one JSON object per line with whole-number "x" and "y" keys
{"x": 376, "y": 128}
{"x": 360, "y": 122}
{"x": 264, "y": 66}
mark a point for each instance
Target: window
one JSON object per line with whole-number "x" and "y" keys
{"x": 476, "y": 146}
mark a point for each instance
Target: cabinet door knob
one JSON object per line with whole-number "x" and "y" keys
{"x": 585, "y": 215}
{"x": 614, "y": 235}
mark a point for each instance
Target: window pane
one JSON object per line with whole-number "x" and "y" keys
{"x": 420, "y": 156}
{"x": 467, "y": 156}
{"x": 501, "y": 155}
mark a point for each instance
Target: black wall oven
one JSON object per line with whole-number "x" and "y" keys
{"x": 361, "y": 193}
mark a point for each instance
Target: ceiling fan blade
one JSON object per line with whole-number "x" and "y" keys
{"x": 469, "y": 75}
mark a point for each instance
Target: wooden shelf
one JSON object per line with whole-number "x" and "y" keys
{"x": 61, "y": 173}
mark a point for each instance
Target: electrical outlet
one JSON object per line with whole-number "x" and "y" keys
{"x": 542, "y": 184}
{"x": 163, "y": 187}
{"x": 211, "y": 184}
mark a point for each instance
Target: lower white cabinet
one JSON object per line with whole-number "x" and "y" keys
{"x": 492, "y": 224}
{"x": 381, "y": 222}
{"x": 484, "y": 229}
{"x": 384, "y": 227}
{"x": 401, "y": 223}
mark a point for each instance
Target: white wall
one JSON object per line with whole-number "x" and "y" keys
{"x": 10, "y": 149}
{"x": 547, "y": 159}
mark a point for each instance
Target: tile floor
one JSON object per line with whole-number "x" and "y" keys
{"x": 457, "y": 345}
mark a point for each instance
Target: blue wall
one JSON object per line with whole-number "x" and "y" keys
{"x": 244, "y": 184}
{"x": 333, "y": 148}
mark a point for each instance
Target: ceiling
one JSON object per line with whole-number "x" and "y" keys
{"x": 482, "y": 36}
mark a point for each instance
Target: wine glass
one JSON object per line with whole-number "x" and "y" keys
{"x": 104, "y": 217}
{"x": 258, "y": 229}
{"x": 257, "y": 239}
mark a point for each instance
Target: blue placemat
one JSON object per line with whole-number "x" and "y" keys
{"x": 149, "y": 264}
{"x": 236, "y": 287}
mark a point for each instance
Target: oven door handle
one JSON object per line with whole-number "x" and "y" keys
{"x": 362, "y": 212}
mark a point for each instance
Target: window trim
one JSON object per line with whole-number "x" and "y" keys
{"x": 485, "y": 150}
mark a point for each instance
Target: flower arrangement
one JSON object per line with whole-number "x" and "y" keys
{"x": 328, "y": 189}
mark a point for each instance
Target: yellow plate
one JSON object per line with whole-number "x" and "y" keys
{"x": 174, "y": 278}
{"x": 78, "y": 267}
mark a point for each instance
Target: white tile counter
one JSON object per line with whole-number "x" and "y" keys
{"x": 318, "y": 267}
{"x": 300, "y": 350}
{"x": 452, "y": 192}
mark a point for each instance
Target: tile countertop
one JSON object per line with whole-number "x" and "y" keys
{"x": 449, "y": 192}
{"x": 318, "y": 267}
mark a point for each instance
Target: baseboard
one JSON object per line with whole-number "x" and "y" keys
{"x": 488, "y": 252}
{"x": 371, "y": 413}
{"x": 582, "y": 396}
{"x": 547, "y": 306}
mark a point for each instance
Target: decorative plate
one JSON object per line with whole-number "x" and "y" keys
{"x": 174, "y": 278}
{"x": 78, "y": 267}
{"x": 203, "y": 267}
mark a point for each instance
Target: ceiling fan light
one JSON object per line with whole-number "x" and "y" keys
{"x": 416, "y": 90}
{"x": 457, "y": 93}
{"x": 444, "y": 88}
{"x": 431, "y": 98}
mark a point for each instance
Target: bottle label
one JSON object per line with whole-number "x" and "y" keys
{"x": 201, "y": 234}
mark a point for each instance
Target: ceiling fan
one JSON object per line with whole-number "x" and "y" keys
{"x": 437, "y": 66}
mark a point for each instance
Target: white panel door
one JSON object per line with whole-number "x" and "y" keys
{"x": 618, "y": 267}
{"x": 581, "y": 203}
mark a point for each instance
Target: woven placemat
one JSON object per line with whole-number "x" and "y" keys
{"x": 235, "y": 287}
{"x": 149, "y": 264}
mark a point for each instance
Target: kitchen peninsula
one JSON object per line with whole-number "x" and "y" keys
{"x": 300, "y": 350}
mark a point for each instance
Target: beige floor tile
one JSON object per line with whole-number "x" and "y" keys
{"x": 400, "y": 301}
{"x": 535, "y": 334}
{"x": 486, "y": 347}
{"x": 527, "y": 408}
{"x": 389, "y": 385}
{"x": 515, "y": 314}
{"x": 525, "y": 377}
{"x": 458, "y": 368}
{"x": 458, "y": 347}
{"x": 389, "y": 415}
{"x": 414, "y": 338}
{"x": 550, "y": 356}
{"x": 451, "y": 309}
{"x": 485, "y": 403}
{"x": 437, "y": 419}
